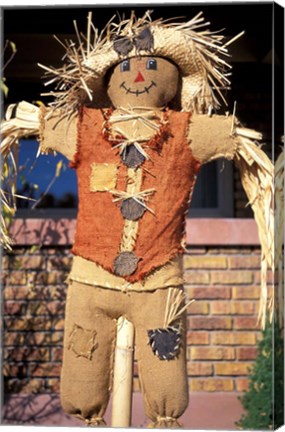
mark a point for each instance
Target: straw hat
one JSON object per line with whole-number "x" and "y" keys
{"x": 197, "y": 53}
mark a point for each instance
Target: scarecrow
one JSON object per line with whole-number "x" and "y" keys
{"x": 133, "y": 111}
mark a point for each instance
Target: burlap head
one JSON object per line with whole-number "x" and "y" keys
{"x": 197, "y": 54}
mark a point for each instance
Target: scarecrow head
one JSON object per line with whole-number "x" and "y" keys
{"x": 143, "y": 62}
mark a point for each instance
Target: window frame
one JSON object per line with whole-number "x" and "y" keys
{"x": 225, "y": 188}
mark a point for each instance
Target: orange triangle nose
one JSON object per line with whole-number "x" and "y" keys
{"x": 139, "y": 78}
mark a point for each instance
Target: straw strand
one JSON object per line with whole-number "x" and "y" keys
{"x": 257, "y": 179}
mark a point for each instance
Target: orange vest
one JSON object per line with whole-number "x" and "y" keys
{"x": 171, "y": 171}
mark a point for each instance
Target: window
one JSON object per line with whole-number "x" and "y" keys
{"x": 213, "y": 193}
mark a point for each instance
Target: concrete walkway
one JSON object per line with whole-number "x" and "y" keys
{"x": 206, "y": 411}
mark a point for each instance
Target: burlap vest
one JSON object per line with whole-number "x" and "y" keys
{"x": 171, "y": 171}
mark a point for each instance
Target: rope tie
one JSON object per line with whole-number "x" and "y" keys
{"x": 125, "y": 143}
{"x": 166, "y": 418}
{"x": 139, "y": 197}
{"x": 165, "y": 421}
{"x": 93, "y": 421}
{"x": 146, "y": 117}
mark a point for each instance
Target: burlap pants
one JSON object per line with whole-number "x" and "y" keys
{"x": 89, "y": 342}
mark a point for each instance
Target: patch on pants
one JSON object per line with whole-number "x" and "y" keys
{"x": 82, "y": 342}
{"x": 165, "y": 342}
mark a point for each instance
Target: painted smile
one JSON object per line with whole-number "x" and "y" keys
{"x": 138, "y": 92}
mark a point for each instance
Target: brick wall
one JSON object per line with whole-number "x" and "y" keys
{"x": 222, "y": 332}
{"x": 222, "y": 322}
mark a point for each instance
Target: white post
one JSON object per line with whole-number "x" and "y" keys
{"x": 123, "y": 374}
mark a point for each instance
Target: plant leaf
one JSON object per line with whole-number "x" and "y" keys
{"x": 4, "y": 88}
{"x": 58, "y": 168}
{"x": 13, "y": 46}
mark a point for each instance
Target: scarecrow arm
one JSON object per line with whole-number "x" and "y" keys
{"x": 23, "y": 120}
{"x": 54, "y": 131}
{"x": 58, "y": 132}
{"x": 219, "y": 136}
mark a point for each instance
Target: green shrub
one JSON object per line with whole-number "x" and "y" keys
{"x": 263, "y": 402}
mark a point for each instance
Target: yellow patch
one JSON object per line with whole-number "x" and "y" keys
{"x": 103, "y": 177}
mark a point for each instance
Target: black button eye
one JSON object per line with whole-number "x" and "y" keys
{"x": 151, "y": 64}
{"x": 125, "y": 65}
